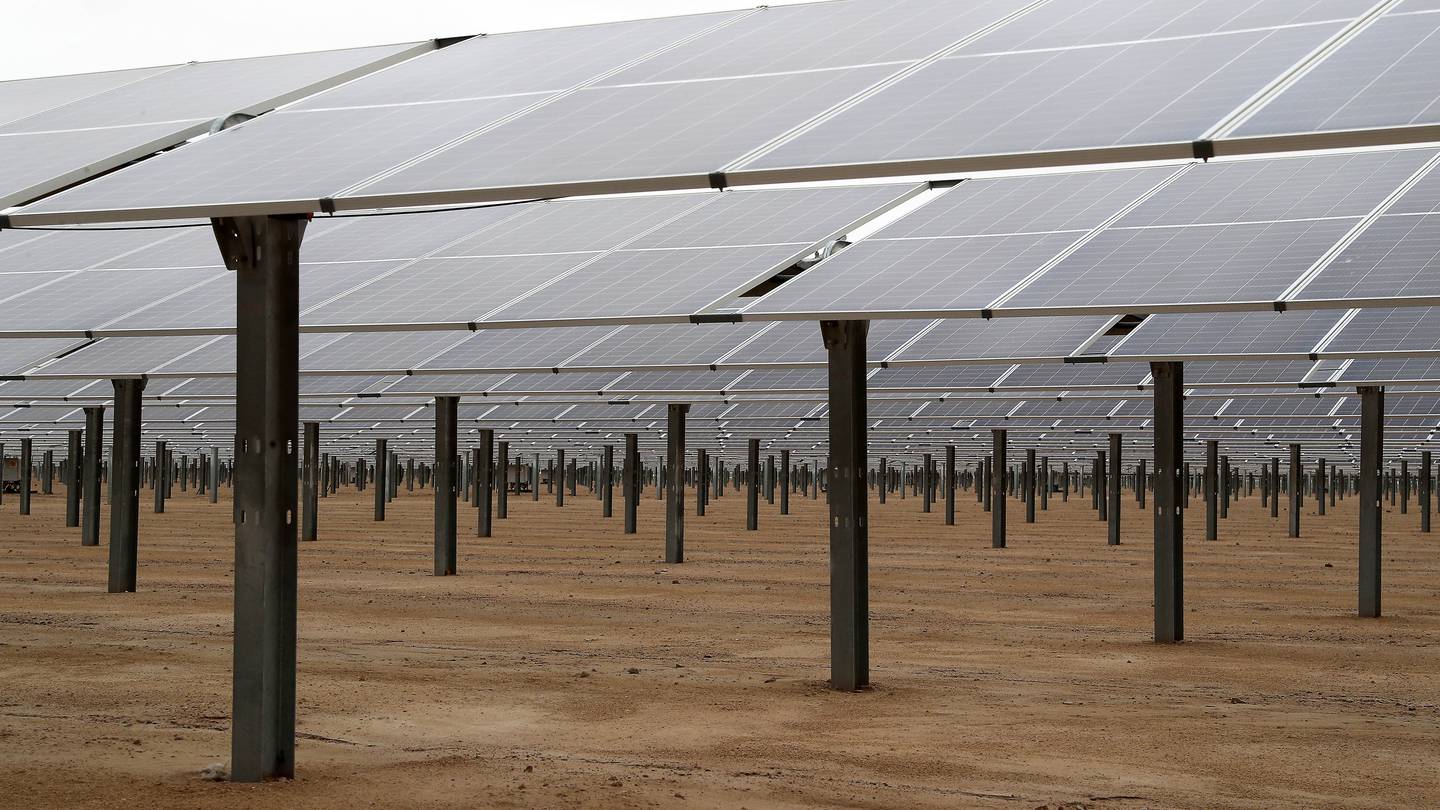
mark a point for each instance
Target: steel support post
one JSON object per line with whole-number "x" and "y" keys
{"x": 502, "y": 482}
{"x": 25, "y": 482}
{"x": 1404, "y": 486}
{"x": 849, "y": 521}
{"x": 1225, "y": 487}
{"x": 159, "y": 475}
{"x": 949, "y": 485}
{"x": 1425, "y": 473}
{"x": 214, "y": 475}
{"x": 1030, "y": 486}
{"x": 1141, "y": 483}
{"x": 1113, "y": 480}
{"x": 72, "y": 480}
{"x": 485, "y": 484}
{"x": 1372, "y": 454}
{"x": 752, "y": 487}
{"x": 607, "y": 487}
{"x": 1275, "y": 487}
{"x": 535, "y": 478}
{"x": 310, "y": 481}
{"x": 925, "y": 499}
{"x": 1296, "y": 474}
{"x": 630, "y": 487}
{"x": 987, "y": 476}
{"x": 1212, "y": 490}
{"x": 445, "y": 483}
{"x": 382, "y": 471}
{"x": 784, "y": 482}
{"x": 675, "y": 485}
{"x": 883, "y": 472}
{"x": 264, "y": 254}
{"x": 702, "y": 480}
{"x": 1044, "y": 483}
{"x": 125, "y": 485}
{"x": 995, "y": 474}
{"x": 90, "y": 511}
{"x": 1320, "y": 486}
{"x": 557, "y": 478}
{"x": 1169, "y": 403}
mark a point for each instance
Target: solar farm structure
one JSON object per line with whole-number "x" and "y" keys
{"x": 984, "y": 255}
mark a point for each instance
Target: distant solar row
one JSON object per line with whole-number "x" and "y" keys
{"x": 815, "y": 91}
{"x": 58, "y": 130}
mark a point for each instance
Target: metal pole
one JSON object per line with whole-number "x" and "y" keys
{"x": 675, "y": 488}
{"x": 73, "y": 477}
{"x": 1113, "y": 482}
{"x": 485, "y": 484}
{"x": 630, "y": 488}
{"x": 1275, "y": 487}
{"x": 558, "y": 478}
{"x": 784, "y": 482}
{"x": 382, "y": 471}
{"x": 1169, "y": 403}
{"x": 264, "y": 253}
{"x": 446, "y": 444}
{"x": 124, "y": 485}
{"x": 995, "y": 472}
{"x": 1425, "y": 473}
{"x": 607, "y": 488}
{"x": 752, "y": 488}
{"x": 949, "y": 485}
{"x": 309, "y": 480}
{"x": 214, "y": 475}
{"x": 1030, "y": 486}
{"x": 502, "y": 483}
{"x": 90, "y": 511}
{"x": 1372, "y": 453}
{"x": 1212, "y": 490}
{"x": 1295, "y": 475}
{"x": 25, "y": 461}
{"x": 849, "y": 523}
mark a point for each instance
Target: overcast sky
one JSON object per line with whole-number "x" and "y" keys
{"x": 52, "y": 37}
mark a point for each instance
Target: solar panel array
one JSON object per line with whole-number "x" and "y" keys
{"x": 56, "y": 131}
{"x": 812, "y": 91}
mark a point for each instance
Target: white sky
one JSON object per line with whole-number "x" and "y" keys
{"x": 53, "y": 37}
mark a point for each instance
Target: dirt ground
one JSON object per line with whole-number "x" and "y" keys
{"x": 567, "y": 666}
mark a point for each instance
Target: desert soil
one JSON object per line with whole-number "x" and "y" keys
{"x": 568, "y": 666}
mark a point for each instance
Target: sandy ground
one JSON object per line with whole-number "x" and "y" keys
{"x": 567, "y": 666}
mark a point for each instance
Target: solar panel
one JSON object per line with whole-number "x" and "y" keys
{"x": 1229, "y": 333}
{"x": 22, "y": 98}
{"x": 1142, "y": 268}
{"x": 651, "y": 283}
{"x": 1250, "y": 372}
{"x": 662, "y": 345}
{"x": 1379, "y": 78}
{"x": 62, "y": 144}
{"x": 518, "y": 348}
{"x": 1394, "y": 258}
{"x": 378, "y": 351}
{"x": 915, "y": 276}
{"x": 116, "y": 356}
{"x": 801, "y": 342}
{"x": 81, "y": 301}
{"x": 1058, "y": 376}
{"x": 803, "y": 379}
{"x": 1069, "y": 98}
{"x": 577, "y": 225}
{"x": 442, "y": 290}
{"x": 1380, "y": 372}
{"x": 936, "y": 377}
{"x": 1388, "y": 330}
{"x": 664, "y": 130}
{"x": 662, "y": 381}
{"x": 1068, "y": 23}
{"x": 18, "y": 356}
{"x": 1007, "y": 338}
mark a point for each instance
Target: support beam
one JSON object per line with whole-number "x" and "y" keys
{"x": 382, "y": 474}
{"x": 214, "y": 475}
{"x": 264, "y": 253}
{"x": 1425, "y": 473}
{"x": 25, "y": 483}
{"x": 784, "y": 482}
{"x": 1372, "y": 454}
{"x": 675, "y": 485}
{"x": 849, "y": 506}
{"x": 1030, "y": 490}
{"x": 502, "y": 482}
{"x": 124, "y": 485}
{"x": 557, "y": 478}
{"x": 1169, "y": 401}
{"x": 607, "y": 486}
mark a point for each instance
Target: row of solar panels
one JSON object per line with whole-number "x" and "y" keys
{"x": 1330, "y": 231}
{"x": 817, "y": 91}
